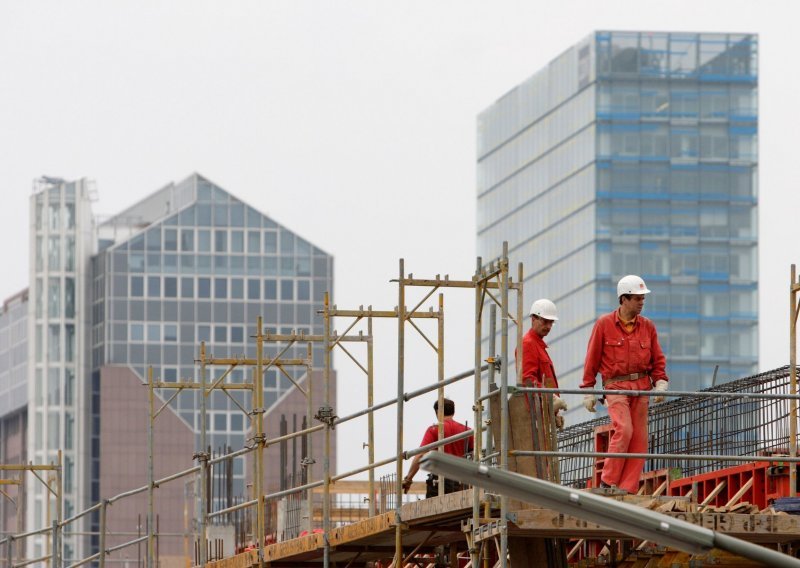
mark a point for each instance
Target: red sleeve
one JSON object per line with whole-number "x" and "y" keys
{"x": 531, "y": 372}
{"x": 658, "y": 373}
{"x": 594, "y": 352}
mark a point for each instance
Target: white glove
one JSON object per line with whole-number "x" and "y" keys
{"x": 589, "y": 402}
{"x": 559, "y": 422}
{"x": 559, "y": 404}
{"x": 661, "y": 386}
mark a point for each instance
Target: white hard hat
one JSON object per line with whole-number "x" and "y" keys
{"x": 545, "y": 309}
{"x": 631, "y": 284}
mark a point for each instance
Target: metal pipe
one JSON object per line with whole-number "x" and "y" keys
{"x": 793, "y": 379}
{"x": 504, "y": 401}
{"x": 326, "y": 459}
{"x": 477, "y": 411}
{"x": 259, "y": 410}
{"x": 681, "y": 394}
{"x": 680, "y": 457}
{"x": 103, "y": 516}
{"x": 440, "y": 379}
{"x": 371, "y": 416}
{"x": 309, "y": 457}
{"x": 203, "y": 457}
{"x": 150, "y": 469}
{"x": 408, "y": 396}
{"x": 401, "y": 321}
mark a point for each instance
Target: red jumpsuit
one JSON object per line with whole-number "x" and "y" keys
{"x": 537, "y": 367}
{"x": 616, "y": 351}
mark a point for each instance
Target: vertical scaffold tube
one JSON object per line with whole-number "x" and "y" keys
{"x": 258, "y": 408}
{"x": 793, "y": 309}
{"x": 477, "y": 414}
{"x": 309, "y": 496}
{"x": 202, "y": 456}
{"x": 150, "y": 469}
{"x": 326, "y": 460}
{"x": 370, "y": 416}
{"x": 440, "y": 378}
{"x": 504, "y": 401}
{"x": 401, "y": 321}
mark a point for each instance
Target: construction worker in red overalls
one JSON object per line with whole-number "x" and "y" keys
{"x": 624, "y": 349}
{"x": 537, "y": 367}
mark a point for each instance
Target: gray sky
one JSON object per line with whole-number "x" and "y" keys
{"x": 352, "y": 123}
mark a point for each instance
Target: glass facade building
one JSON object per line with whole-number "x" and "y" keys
{"x": 633, "y": 153}
{"x": 187, "y": 264}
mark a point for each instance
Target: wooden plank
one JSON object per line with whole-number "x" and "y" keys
{"x": 739, "y": 494}
{"x": 362, "y": 529}
{"x": 293, "y": 547}
{"x": 711, "y": 496}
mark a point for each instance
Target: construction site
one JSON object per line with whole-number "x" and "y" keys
{"x": 720, "y": 480}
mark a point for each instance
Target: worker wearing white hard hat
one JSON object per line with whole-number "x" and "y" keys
{"x": 537, "y": 367}
{"x": 624, "y": 350}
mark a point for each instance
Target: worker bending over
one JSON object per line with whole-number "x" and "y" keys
{"x": 459, "y": 448}
{"x": 624, "y": 349}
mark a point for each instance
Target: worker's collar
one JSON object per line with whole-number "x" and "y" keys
{"x": 538, "y": 338}
{"x": 618, "y": 318}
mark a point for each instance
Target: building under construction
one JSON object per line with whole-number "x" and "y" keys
{"x": 721, "y": 464}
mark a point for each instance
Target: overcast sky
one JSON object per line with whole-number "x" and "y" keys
{"x": 351, "y": 123}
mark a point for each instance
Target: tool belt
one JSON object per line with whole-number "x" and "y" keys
{"x": 619, "y": 379}
{"x": 432, "y": 486}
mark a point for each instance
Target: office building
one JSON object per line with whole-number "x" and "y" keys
{"x": 190, "y": 263}
{"x": 634, "y": 153}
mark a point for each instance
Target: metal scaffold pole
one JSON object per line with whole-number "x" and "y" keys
{"x": 308, "y": 461}
{"x": 401, "y": 320}
{"x": 440, "y": 378}
{"x": 202, "y": 457}
{"x": 258, "y": 410}
{"x": 477, "y": 413}
{"x": 370, "y": 416}
{"x": 150, "y": 469}
{"x": 327, "y": 416}
{"x": 504, "y": 401}
{"x": 794, "y": 287}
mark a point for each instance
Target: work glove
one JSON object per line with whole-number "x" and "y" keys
{"x": 559, "y": 422}
{"x": 661, "y": 386}
{"x": 559, "y": 404}
{"x": 406, "y": 485}
{"x": 589, "y": 402}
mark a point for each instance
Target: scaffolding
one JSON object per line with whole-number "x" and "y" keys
{"x": 484, "y": 519}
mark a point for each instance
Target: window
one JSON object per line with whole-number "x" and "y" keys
{"x": 137, "y": 332}
{"x": 204, "y": 333}
{"x": 221, "y": 240}
{"x": 270, "y": 289}
{"x": 187, "y": 240}
{"x": 170, "y": 332}
{"x": 303, "y": 290}
{"x": 153, "y": 332}
{"x": 237, "y": 288}
{"x": 170, "y": 239}
{"x": 170, "y": 287}
{"x": 204, "y": 287}
{"x": 137, "y": 286}
{"x": 237, "y": 241}
{"x": 221, "y": 288}
{"x": 237, "y": 334}
{"x": 187, "y": 287}
{"x": 220, "y": 334}
{"x": 253, "y": 242}
{"x": 287, "y": 290}
{"x": 270, "y": 242}
{"x": 253, "y": 289}
{"x": 204, "y": 240}
{"x": 154, "y": 286}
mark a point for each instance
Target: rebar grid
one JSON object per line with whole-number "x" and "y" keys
{"x": 701, "y": 426}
